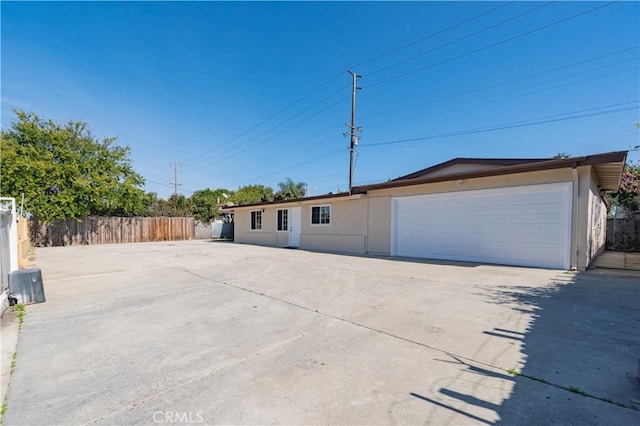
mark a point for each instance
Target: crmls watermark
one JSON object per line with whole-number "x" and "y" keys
{"x": 178, "y": 417}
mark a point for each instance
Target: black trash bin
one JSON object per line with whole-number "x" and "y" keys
{"x": 25, "y": 286}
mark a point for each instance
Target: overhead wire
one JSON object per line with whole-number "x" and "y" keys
{"x": 521, "y": 123}
{"x": 235, "y": 154}
{"x": 442, "y": 31}
{"x": 199, "y": 158}
{"x": 274, "y": 127}
{"x": 271, "y": 117}
{"x": 396, "y": 77}
{"x": 473, "y": 34}
{"x": 510, "y": 125}
{"x": 502, "y": 83}
{"x": 508, "y": 39}
{"x": 489, "y": 46}
{"x": 484, "y": 101}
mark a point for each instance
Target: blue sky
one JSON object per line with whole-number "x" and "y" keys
{"x": 241, "y": 93}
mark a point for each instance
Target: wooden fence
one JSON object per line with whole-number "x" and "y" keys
{"x": 24, "y": 243}
{"x": 111, "y": 230}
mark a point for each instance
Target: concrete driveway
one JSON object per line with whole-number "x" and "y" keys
{"x": 203, "y": 332}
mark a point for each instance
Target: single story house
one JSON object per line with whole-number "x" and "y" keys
{"x": 547, "y": 213}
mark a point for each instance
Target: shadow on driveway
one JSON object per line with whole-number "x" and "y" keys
{"x": 582, "y": 342}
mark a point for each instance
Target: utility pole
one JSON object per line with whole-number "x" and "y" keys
{"x": 352, "y": 127}
{"x": 175, "y": 179}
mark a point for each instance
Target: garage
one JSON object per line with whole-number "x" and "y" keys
{"x": 521, "y": 225}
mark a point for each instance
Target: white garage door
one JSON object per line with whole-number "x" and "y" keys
{"x": 522, "y": 225}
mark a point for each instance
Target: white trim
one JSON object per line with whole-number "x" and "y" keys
{"x": 261, "y": 211}
{"x": 282, "y": 230}
{"x": 311, "y": 215}
{"x": 295, "y": 226}
{"x": 394, "y": 206}
{"x": 13, "y": 235}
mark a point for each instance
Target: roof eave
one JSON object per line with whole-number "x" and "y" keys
{"x": 593, "y": 160}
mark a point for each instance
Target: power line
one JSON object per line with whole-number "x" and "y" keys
{"x": 484, "y": 101}
{"x": 268, "y": 118}
{"x": 503, "y": 83}
{"x": 274, "y": 127}
{"x": 521, "y": 123}
{"x": 491, "y": 45}
{"x": 168, "y": 185}
{"x": 515, "y": 124}
{"x": 411, "y": 58}
{"x": 411, "y": 72}
{"x": 314, "y": 160}
{"x": 269, "y": 138}
{"x": 442, "y": 31}
{"x": 199, "y": 156}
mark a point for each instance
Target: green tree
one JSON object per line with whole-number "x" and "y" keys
{"x": 66, "y": 172}
{"x": 628, "y": 195}
{"x": 289, "y": 189}
{"x": 251, "y": 194}
{"x": 178, "y": 206}
{"x": 205, "y": 203}
{"x": 561, "y": 155}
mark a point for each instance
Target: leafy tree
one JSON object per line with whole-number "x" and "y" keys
{"x": 66, "y": 172}
{"x": 251, "y": 194}
{"x": 205, "y": 203}
{"x": 178, "y": 206}
{"x": 628, "y": 195}
{"x": 561, "y": 155}
{"x": 289, "y": 189}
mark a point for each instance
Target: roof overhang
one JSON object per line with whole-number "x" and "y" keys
{"x": 608, "y": 168}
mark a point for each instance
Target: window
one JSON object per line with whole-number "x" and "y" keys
{"x": 256, "y": 220}
{"x": 321, "y": 215}
{"x": 283, "y": 220}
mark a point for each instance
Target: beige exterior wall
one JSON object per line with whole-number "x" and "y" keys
{"x": 379, "y": 226}
{"x": 267, "y": 236}
{"x": 347, "y": 232}
{"x": 597, "y": 213}
{"x": 589, "y": 232}
{"x": 362, "y": 223}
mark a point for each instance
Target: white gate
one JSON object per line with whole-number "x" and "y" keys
{"x": 8, "y": 245}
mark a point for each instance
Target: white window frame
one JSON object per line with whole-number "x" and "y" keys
{"x": 320, "y": 215}
{"x": 251, "y": 220}
{"x": 285, "y": 216}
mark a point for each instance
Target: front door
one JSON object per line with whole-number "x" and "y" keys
{"x": 295, "y": 223}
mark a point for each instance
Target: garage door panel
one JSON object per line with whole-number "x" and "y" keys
{"x": 528, "y": 225}
{"x": 548, "y": 238}
{"x": 540, "y": 198}
{"x": 536, "y": 218}
{"x": 488, "y": 201}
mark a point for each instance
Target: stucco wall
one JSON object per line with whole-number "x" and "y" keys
{"x": 596, "y": 231}
{"x": 346, "y": 233}
{"x": 379, "y": 226}
{"x": 590, "y": 214}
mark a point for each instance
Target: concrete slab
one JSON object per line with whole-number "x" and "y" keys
{"x": 201, "y": 332}
{"x": 8, "y": 343}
